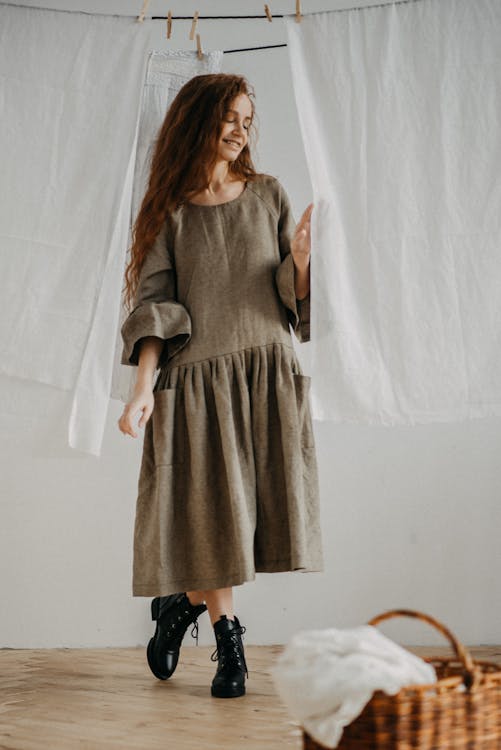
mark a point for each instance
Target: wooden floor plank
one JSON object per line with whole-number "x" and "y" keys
{"x": 107, "y": 699}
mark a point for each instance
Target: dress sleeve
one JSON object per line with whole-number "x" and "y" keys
{"x": 298, "y": 311}
{"x": 156, "y": 311}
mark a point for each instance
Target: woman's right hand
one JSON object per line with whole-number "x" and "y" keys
{"x": 143, "y": 401}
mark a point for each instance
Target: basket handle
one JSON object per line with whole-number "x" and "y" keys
{"x": 472, "y": 674}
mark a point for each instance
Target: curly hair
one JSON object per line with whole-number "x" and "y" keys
{"x": 184, "y": 154}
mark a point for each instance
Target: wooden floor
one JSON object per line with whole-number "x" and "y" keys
{"x": 98, "y": 699}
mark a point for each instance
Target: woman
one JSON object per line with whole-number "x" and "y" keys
{"x": 228, "y": 482}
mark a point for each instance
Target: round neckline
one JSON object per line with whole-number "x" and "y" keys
{"x": 225, "y": 203}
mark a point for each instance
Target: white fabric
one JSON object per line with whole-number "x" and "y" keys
{"x": 72, "y": 86}
{"x": 68, "y": 130}
{"x": 167, "y": 73}
{"x": 326, "y": 677}
{"x": 399, "y": 108}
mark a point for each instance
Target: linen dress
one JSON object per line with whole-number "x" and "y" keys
{"x": 228, "y": 482}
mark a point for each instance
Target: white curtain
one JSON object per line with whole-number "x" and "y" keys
{"x": 71, "y": 110}
{"x": 71, "y": 86}
{"x": 400, "y": 112}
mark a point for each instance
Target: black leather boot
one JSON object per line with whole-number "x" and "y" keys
{"x": 173, "y": 614}
{"x": 229, "y": 680}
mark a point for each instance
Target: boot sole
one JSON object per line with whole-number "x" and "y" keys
{"x": 229, "y": 693}
{"x": 151, "y": 662}
{"x": 155, "y": 613}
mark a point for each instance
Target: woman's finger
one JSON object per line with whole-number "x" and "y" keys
{"x": 144, "y": 418}
{"x": 307, "y": 214}
{"x": 129, "y": 429}
{"x": 125, "y": 422}
{"x": 302, "y": 234}
{"x": 304, "y": 222}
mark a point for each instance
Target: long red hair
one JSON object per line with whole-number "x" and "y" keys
{"x": 183, "y": 158}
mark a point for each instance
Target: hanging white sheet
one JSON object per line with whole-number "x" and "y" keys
{"x": 69, "y": 130}
{"x": 399, "y": 108}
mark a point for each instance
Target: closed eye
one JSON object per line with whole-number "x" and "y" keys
{"x": 245, "y": 126}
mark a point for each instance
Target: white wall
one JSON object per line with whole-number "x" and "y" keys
{"x": 411, "y": 515}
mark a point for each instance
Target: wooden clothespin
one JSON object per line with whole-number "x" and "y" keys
{"x": 268, "y": 13}
{"x": 298, "y": 11}
{"x": 140, "y": 17}
{"x": 169, "y": 24}
{"x": 199, "y": 48}
{"x": 193, "y": 25}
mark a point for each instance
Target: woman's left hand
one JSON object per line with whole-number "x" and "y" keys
{"x": 301, "y": 242}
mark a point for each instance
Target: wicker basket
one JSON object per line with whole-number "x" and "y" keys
{"x": 431, "y": 717}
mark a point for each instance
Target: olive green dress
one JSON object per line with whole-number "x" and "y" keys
{"x": 228, "y": 483}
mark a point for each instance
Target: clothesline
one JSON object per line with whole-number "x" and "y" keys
{"x": 194, "y": 21}
{"x": 226, "y": 51}
{"x": 299, "y": 15}
{"x": 209, "y": 18}
{"x": 287, "y": 15}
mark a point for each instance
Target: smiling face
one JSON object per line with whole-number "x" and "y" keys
{"x": 235, "y": 126}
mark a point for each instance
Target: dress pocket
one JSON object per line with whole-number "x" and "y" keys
{"x": 302, "y": 385}
{"x": 168, "y": 427}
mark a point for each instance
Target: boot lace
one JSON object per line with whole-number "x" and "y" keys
{"x": 228, "y": 649}
{"x": 195, "y": 630}
{"x": 176, "y": 624}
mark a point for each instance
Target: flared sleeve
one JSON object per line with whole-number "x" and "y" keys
{"x": 156, "y": 311}
{"x": 298, "y": 311}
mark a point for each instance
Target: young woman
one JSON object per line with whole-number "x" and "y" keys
{"x": 228, "y": 483}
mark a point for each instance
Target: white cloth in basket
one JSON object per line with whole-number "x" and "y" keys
{"x": 326, "y": 677}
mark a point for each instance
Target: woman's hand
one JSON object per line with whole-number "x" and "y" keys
{"x": 300, "y": 251}
{"x": 141, "y": 401}
{"x": 301, "y": 242}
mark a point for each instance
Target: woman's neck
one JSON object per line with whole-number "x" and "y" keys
{"x": 223, "y": 186}
{"x": 220, "y": 178}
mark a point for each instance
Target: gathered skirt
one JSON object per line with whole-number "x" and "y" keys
{"x": 228, "y": 484}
